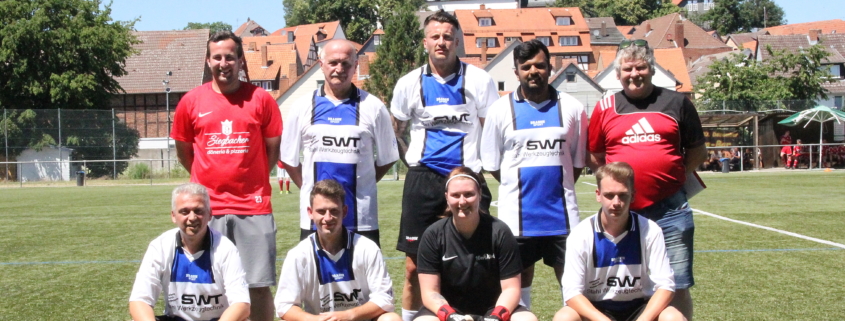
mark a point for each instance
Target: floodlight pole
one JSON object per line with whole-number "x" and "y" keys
{"x": 166, "y": 84}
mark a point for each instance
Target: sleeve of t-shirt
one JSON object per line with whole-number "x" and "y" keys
{"x": 692, "y": 135}
{"x": 510, "y": 263}
{"x": 659, "y": 271}
{"x": 399, "y": 106}
{"x": 147, "y": 285}
{"x": 489, "y": 95}
{"x": 579, "y": 148}
{"x": 183, "y": 129}
{"x": 234, "y": 278}
{"x": 290, "y": 287}
{"x": 272, "y": 122}
{"x": 428, "y": 254}
{"x": 492, "y": 140}
{"x": 596, "y": 142}
{"x": 575, "y": 271}
{"x": 292, "y": 137}
{"x": 388, "y": 151}
{"x": 381, "y": 287}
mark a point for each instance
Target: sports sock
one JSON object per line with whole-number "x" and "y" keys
{"x": 525, "y": 297}
{"x": 408, "y": 315}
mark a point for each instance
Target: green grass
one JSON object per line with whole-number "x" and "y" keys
{"x": 72, "y": 253}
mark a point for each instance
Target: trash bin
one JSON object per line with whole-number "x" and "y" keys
{"x": 726, "y": 166}
{"x": 80, "y": 178}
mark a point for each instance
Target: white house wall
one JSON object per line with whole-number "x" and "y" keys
{"x": 301, "y": 88}
{"x": 581, "y": 89}
{"x": 501, "y": 70}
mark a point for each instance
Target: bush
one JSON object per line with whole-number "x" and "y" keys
{"x": 138, "y": 171}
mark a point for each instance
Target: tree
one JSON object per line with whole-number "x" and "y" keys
{"x": 761, "y": 14}
{"x": 357, "y": 17}
{"x": 61, "y": 53}
{"x": 624, "y": 12}
{"x": 732, "y": 16}
{"x": 743, "y": 84}
{"x": 724, "y": 17}
{"x": 212, "y": 26}
{"x": 400, "y": 51}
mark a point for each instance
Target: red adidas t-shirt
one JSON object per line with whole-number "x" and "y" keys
{"x": 230, "y": 157}
{"x": 648, "y": 134}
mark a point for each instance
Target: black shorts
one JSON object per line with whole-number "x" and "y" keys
{"x": 426, "y": 312}
{"x": 552, "y": 249}
{"x": 423, "y": 203}
{"x": 630, "y": 314}
{"x": 372, "y": 235}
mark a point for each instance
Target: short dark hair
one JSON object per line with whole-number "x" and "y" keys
{"x": 442, "y": 17}
{"x": 528, "y": 50}
{"x": 330, "y": 189}
{"x": 224, "y": 35}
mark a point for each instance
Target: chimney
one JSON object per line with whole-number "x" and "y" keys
{"x": 558, "y": 63}
{"x": 251, "y": 46}
{"x": 814, "y": 34}
{"x": 679, "y": 34}
{"x": 293, "y": 72}
{"x": 264, "y": 62}
{"x": 603, "y": 28}
{"x": 647, "y": 27}
{"x": 363, "y": 66}
{"x": 483, "y": 50}
{"x": 482, "y": 7}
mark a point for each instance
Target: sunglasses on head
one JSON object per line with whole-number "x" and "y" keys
{"x": 627, "y": 43}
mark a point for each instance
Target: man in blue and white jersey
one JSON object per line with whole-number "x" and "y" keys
{"x": 534, "y": 143}
{"x": 616, "y": 262}
{"x": 334, "y": 274}
{"x": 445, "y": 102}
{"x": 340, "y": 127}
{"x": 197, "y": 269}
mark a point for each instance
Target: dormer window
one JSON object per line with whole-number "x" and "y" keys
{"x": 485, "y": 22}
{"x": 377, "y": 40}
{"x": 568, "y": 41}
{"x": 563, "y": 21}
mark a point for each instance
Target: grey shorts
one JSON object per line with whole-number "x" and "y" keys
{"x": 674, "y": 216}
{"x": 255, "y": 238}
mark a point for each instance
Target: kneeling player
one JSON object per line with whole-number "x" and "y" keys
{"x": 197, "y": 269}
{"x": 616, "y": 262}
{"x": 334, "y": 273}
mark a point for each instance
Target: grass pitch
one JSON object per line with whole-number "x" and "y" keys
{"x": 72, "y": 253}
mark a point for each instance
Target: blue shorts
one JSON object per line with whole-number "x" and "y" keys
{"x": 674, "y": 215}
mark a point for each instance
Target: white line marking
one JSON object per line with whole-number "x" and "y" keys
{"x": 763, "y": 227}
{"x": 591, "y": 184}
{"x": 772, "y": 229}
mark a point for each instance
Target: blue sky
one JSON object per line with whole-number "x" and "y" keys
{"x": 171, "y": 15}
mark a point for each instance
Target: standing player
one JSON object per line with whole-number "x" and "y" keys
{"x": 446, "y": 102}
{"x": 195, "y": 267}
{"x": 340, "y": 127}
{"x": 227, "y": 136}
{"x": 284, "y": 179}
{"x": 786, "y": 150}
{"x": 533, "y": 142}
{"x": 658, "y": 132}
{"x": 334, "y": 274}
{"x": 617, "y": 267}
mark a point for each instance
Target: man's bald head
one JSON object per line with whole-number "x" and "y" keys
{"x": 339, "y": 45}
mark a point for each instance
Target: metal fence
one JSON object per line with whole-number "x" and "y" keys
{"x": 769, "y": 156}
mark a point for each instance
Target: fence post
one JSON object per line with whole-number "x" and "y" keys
{"x": 151, "y": 172}
{"x": 59, "y": 111}
{"x": 756, "y": 153}
{"x": 6, "y": 137}
{"x": 113, "y": 147}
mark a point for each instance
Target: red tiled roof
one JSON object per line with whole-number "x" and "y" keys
{"x": 673, "y": 61}
{"x": 179, "y": 51}
{"x": 475, "y": 61}
{"x": 659, "y": 33}
{"x": 279, "y": 58}
{"x": 826, "y": 26}
{"x": 626, "y": 30}
{"x": 245, "y": 30}
{"x": 677, "y": 2}
{"x": 529, "y": 23}
{"x": 304, "y": 34}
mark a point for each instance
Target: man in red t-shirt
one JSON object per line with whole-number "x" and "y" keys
{"x": 227, "y": 136}
{"x": 658, "y": 132}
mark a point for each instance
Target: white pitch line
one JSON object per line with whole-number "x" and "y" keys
{"x": 772, "y": 229}
{"x": 764, "y": 227}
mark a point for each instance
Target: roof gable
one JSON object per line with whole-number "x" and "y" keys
{"x": 673, "y": 61}
{"x": 659, "y": 32}
{"x": 250, "y": 28}
{"x": 179, "y": 51}
{"x": 826, "y": 26}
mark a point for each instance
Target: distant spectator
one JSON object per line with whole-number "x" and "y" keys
{"x": 786, "y": 150}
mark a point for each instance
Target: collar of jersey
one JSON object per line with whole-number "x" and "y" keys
{"x": 206, "y": 242}
{"x": 519, "y": 98}
{"x": 352, "y": 96}
{"x": 460, "y": 68}
{"x": 630, "y": 226}
{"x": 347, "y": 238}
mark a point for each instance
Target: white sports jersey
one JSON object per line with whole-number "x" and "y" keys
{"x": 444, "y": 115}
{"x": 535, "y": 147}
{"x": 616, "y": 273}
{"x": 198, "y": 286}
{"x": 339, "y": 139}
{"x": 319, "y": 282}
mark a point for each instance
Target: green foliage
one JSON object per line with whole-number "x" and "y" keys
{"x": 749, "y": 85}
{"x": 138, "y": 171}
{"x": 624, "y": 12}
{"x": 400, "y": 51}
{"x": 358, "y": 17}
{"x": 733, "y": 16}
{"x": 211, "y": 26}
{"x": 61, "y": 53}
